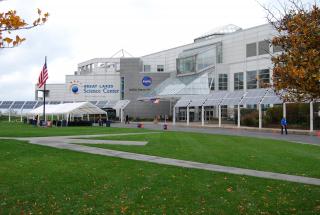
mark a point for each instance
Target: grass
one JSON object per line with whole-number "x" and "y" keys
{"x": 23, "y": 130}
{"x": 41, "y": 180}
{"x": 246, "y": 152}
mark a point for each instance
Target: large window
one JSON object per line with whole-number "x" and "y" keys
{"x": 264, "y": 78}
{"x": 251, "y": 79}
{"x": 238, "y": 81}
{"x": 147, "y": 68}
{"x": 251, "y": 49}
{"x": 186, "y": 65}
{"x": 258, "y": 79}
{"x": 223, "y": 81}
{"x": 206, "y": 59}
{"x": 263, "y": 47}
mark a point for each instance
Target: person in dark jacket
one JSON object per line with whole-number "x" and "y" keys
{"x": 284, "y": 125}
{"x": 127, "y": 119}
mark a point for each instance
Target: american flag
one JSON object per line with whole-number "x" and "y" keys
{"x": 155, "y": 101}
{"x": 43, "y": 77}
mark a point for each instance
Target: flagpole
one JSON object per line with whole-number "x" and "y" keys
{"x": 44, "y": 95}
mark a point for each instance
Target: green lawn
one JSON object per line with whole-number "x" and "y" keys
{"x": 245, "y": 152}
{"x": 41, "y": 180}
{"x": 23, "y": 130}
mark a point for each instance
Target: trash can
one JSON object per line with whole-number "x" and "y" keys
{"x": 108, "y": 123}
{"x": 165, "y": 126}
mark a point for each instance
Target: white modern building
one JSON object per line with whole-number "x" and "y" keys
{"x": 228, "y": 65}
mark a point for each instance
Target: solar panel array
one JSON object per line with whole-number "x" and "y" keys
{"x": 6, "y": 104}
{"x": 250, "y": 97}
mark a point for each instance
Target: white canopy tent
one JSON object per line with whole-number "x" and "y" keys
{"x": 69, "y": 109}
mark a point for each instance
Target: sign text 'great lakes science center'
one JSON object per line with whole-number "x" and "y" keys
{"x": 95, "y": 88}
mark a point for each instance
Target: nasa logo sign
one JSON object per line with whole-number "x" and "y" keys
{"x": 146, "y": 81}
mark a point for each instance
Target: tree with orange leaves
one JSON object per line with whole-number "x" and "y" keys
{"x": 11, "y": 22}
{"x": 297, "y": 66}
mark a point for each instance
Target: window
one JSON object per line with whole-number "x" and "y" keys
{"x": 251, "y": 79}
{"x": 122, "y": 88}
{"x": 147, "y": 68}
{"x": 223, "y": 81}
{"x": 263, "y": 47}
{"x": 160, "y": 68}
{"x": 206, "y": 59}
{"x": 211, "y": 83}
{"x": 277, "y": 49}
{"x": 186, "y": 65}
{"x": 238, "y": 81}
{"x": 264, "y": 78}
{"x": 219, "y": 53}
{"x": 251, "y": 49}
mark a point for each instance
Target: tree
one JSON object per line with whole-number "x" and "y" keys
{"x": 11, "y": 22}
{"x": 297, "y": 66}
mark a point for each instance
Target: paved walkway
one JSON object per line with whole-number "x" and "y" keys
{"x": 298, "y": 138}
{"x": 64, "y": 143}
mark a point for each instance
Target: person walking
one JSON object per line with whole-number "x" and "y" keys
{"x": 127, "y": 119}
{"x": 284, "y": 125}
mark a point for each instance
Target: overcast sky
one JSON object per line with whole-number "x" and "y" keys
{"x": 80, "y": 30}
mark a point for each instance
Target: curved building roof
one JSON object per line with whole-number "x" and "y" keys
{"x": 222, "y": 30}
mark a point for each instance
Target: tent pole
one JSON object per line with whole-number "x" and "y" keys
{"x": 284, "y": 113}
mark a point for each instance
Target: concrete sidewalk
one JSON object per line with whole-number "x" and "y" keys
{"x": 298, "y": 138}
{"x": 180, "y": 163}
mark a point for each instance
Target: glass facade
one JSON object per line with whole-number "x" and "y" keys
{"x": 258, "y": 79}
{"x": 238, "y": 81}
{"x": 206, "y": 59}
{"x": 223, "y": 81}
{"x": 264, "y": 78}
{"x": 198, "y": 59}
{"x": 251, "y": 79}
{"x": 186, "y": 65}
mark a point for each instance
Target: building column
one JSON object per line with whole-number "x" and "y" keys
{"x": 219, "y": 113}
{"x": 188, "y": 116}
{"x": 311, "y": 116}
{"x": 202, "y": 115}
{"x": 239, "y": 117}
{"x": 284, "y": 109}
{"x": 174, "y": 115}
{"x": 260, "y": 116}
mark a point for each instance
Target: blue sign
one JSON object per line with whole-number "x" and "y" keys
{"x": 146, "y": 81}
{"x": 75, "y": 89}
